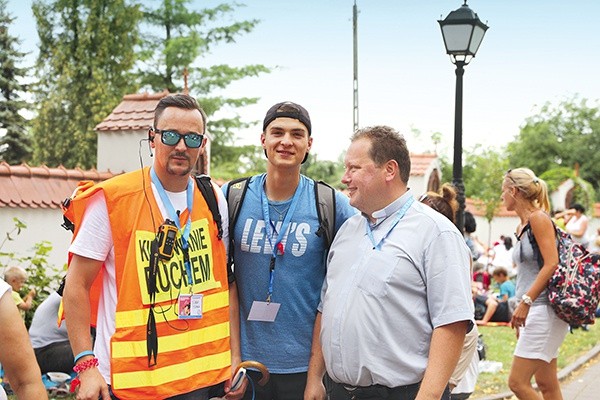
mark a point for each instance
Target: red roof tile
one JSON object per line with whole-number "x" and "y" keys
{"x": 41, "y": 187}
{"x": 420, "y": 163}
{"x": 135, "y": 112}
{"x": 477, "y": 208}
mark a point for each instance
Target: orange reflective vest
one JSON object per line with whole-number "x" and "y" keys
{"x": 192, "y": 353}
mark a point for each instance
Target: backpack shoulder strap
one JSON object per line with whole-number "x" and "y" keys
{"x": 325, "y": 201}
{"x": 207, "y": 190}
{"x": 236, "y": 191}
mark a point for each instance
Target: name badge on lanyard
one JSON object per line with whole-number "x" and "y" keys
{"x": 266, "y": 311}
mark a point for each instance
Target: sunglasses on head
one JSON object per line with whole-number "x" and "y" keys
{"x": 171, "y": 138}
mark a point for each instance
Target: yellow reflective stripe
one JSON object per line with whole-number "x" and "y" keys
{"x": 164, "y": 375}
{"x": 178, "y": 341}
{"x": 126, "y": 319}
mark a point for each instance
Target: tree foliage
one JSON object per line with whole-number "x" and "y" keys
{"x": 86, "y": 51}
{"x": 583, "y": 191}
{"x": 15, "y": 144}
{"x": 42, "y": 276}
{"x": 484, "y": 172}
{"x": 179, "y": 38}
{"x": 330, "y": 172}
{"x": 567, "y": 135}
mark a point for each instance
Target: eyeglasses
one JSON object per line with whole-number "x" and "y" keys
{"x": 171, "y": 138}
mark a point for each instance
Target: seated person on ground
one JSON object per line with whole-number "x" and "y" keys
{"x": 488, "y": 309}
{"x": 507, "y": 287}
{"x": 481, "y": 278}
{"x": 50, "y": 342}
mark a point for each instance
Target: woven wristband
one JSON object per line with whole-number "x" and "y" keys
{"x": 83, "y": 354}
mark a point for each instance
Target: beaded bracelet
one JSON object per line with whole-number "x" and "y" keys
{"x": 85, "y": 365}
{"x": 79, "y": 368}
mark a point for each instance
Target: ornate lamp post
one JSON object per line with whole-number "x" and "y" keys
{"x": 462, "y": 32}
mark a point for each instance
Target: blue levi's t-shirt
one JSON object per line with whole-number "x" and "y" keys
{"x": 283, "y": 345}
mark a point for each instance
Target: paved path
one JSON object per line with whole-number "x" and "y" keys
{"x": 579, "y": 381}
{"x": 585, "y": 383}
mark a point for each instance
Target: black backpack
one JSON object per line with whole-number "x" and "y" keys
{"x": 324, "y": 199}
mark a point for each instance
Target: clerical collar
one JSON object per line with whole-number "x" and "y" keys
{"x": 390, "y": 209}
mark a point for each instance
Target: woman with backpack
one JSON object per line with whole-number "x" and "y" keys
{"x": 539, "y": 331}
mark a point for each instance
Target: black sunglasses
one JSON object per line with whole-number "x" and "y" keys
{"x": 171, "y": 138}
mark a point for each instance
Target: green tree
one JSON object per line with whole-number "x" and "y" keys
{"x": 179, "y": 39}
{"x": 15, "y": 144}
{"x": 86, "y": 51}
{"x": 567, "y": 135}
{"x": 583, "y": 192}
{"x": 484, "y": 172}
{"x": 43, "y": 277}
{"x": 325, "y": 170}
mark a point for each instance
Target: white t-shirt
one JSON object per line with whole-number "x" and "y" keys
{"x": 94, "y": 241}
{"x": 574, "y": 224}
{"x": 4, "y": 287}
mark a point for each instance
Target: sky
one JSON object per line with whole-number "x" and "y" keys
{"x": 534, "y": 52}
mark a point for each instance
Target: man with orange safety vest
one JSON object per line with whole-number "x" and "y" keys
{"x": 148, "y": 268}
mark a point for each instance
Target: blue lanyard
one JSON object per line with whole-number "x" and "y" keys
{"x": 399, "y": 215}
{"x": 173, "y": 215}
{"x": 277, "y": 246}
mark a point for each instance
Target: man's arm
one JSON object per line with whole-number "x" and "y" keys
{"x": 76, "y": 302}
{"x": 316, "y": 366}
{"x": 446, "y": 346}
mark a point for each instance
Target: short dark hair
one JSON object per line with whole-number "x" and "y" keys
{"x": 386, "y": 144}
{"x": 470, "y": 223}
{"x": 578, "y": 207}
{"x": 183, "y": 101}
{"x": 500, "y": 271}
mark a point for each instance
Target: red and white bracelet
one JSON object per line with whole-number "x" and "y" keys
{"x": 79, "y": 368}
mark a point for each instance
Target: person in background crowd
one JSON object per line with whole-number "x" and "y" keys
{"x": 16, "y": 278}
{"x": 446, "y": 204}
{"x": 576, "y": 223}
{"x": 51, "y": 342}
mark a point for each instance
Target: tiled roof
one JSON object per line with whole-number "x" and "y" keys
{"x": 477, "y": 208}
{"x": 135, "y": 112}
{"x": 41, "y": 187}
{"x": 420, "y": 163}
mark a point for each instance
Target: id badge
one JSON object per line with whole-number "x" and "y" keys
{"x": 263, "y": 311}
{"x": 190, "y": 306}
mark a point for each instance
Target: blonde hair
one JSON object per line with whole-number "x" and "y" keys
{"x": 443, "y": 202}
{"x": 531, "y": 187}
{"x": 14, "y": 272}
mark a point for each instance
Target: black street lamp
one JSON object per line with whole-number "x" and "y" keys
{"x": 462, "y": 32}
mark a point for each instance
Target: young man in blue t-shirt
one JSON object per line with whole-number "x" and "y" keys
{"x": 279, "y": 260}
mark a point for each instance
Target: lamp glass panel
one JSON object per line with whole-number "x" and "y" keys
{"x": 478, "y": 33}
{"x": 457, "y": 37}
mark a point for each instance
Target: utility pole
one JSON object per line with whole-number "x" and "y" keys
{"x": 355, "y": 80}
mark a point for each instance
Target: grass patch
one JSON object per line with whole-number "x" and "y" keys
{"x": 501, "y": 341}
